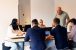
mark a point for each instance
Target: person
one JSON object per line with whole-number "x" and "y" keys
{"x": 49, "y": 42}
{"x": 72, "y": 34}
{"x": 63, "y": 16}
{"x": 41, "y": 24}
{"x": 60, "y": 35}
{"x": 37, "y": 36}
{"x": 13, "y": 31}
{"x": 69, "y": 28}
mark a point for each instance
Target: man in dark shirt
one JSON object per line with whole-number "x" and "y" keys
{"x": 60, "y": 35}
{"x": 37, "y": 36}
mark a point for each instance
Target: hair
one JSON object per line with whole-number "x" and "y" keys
{"x": 14, "y": 24}
{"x": 56, "y": 20}
{"x": 35, "y": 21}
{"x": 41, "y": 20}
{"x": 59, "y": 7}
{"x": 73, "y": 20}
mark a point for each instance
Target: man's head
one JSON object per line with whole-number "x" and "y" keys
{"x": 34, "y": 22}
{"x": 59, "y": 10}
{"x": 41, "y": 22}
{"x": 73, "y": 21}
{"x": 56, "y": 22}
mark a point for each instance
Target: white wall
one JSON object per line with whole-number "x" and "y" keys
{"x": 43, "y": 9}
{"x": 8, "y": 11}
{"x": 39, "y": 9}
{"x": 67, "y": 5}
{"x": 24, "y": 8}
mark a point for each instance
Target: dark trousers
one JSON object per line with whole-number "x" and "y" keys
{"x": 63, "y": 49}
{"x": 70, "y": 42}
{"x": 74, "y": 44}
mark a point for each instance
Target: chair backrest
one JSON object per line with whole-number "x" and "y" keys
{"x": 26, "y": 27}
{"x": 47, "y": 30}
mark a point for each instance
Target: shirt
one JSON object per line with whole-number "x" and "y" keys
{"x": 10, "y": 33}
{"x": 63, "y": 18}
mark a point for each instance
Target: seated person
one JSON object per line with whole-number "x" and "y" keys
{"x": 60, "y": 35}
{"x": 36, "y": 35}
{"x": 72, "y": 34}
{"x": 69, "y": 26}
{"x": 13, "y": 31}
{"x": 41, "y": 24}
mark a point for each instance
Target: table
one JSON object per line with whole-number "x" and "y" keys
{"x": 21, "y": 39}
{"x": 18, "y": 39}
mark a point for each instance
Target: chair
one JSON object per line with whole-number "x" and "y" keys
{"x": 4, "y": 47}
{"x": 26, "y": 27}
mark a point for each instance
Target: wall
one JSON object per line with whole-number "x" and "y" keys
{"x": 67, "y": 5}
{"x": 24, "y": 8}
{"x": 8, "y": 11}
{"x": 39, "y": 9}
{"x": 43, "y": 9}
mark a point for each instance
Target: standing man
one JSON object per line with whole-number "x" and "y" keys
{"x": 60, "y": 35}
{"x": 63, "y": 16}
{"x": 37, "y": 36}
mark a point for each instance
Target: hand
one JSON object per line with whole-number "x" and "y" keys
{"x": 50, "y": 37}
{"x": 20, "y": 33}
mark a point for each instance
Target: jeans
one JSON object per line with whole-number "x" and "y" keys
{"x": 15, "y": 46}
{"x": 20, "y": 45}
{"x": 50, "y": 45}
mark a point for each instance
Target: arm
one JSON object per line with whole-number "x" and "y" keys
{"x": 27, "y": 36}
{"x": 52, "y": 32}
{"x": 50, "y": 37}
{"x": 10, "y": 33}
{"x": 67, "y": 18}
{"x": 43, "y": 34}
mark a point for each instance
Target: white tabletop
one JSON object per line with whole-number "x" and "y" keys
{"x": 17, "y": 39}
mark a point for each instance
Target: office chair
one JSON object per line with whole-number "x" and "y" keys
{"x": 26, "y": 27}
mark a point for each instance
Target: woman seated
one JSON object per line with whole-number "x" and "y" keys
{"x": 13, "y": 31}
